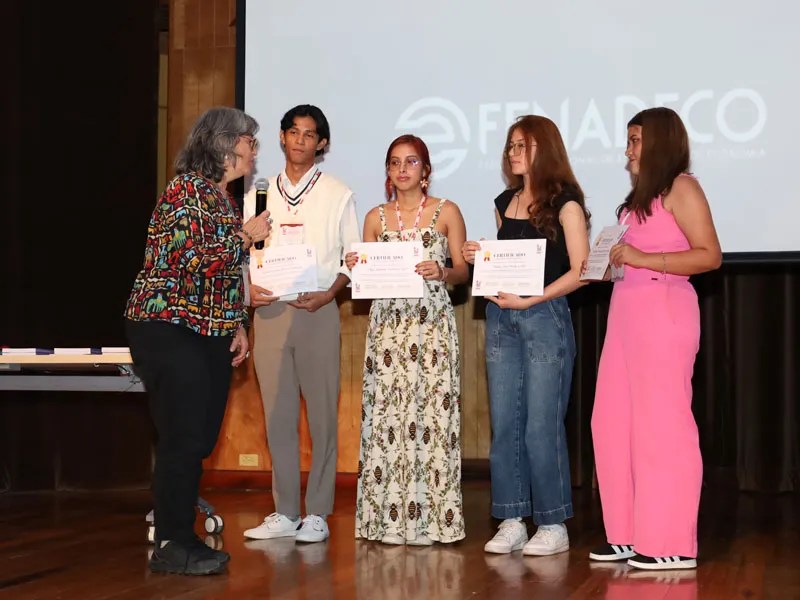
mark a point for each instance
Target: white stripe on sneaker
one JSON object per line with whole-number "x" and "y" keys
{"x": 662, "y": 563}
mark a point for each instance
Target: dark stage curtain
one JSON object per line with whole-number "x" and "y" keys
{"x": 746, "y": 392}
{"x": 79, "y": 151}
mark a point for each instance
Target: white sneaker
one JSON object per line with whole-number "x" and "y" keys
{"x": 510, "y": 537}
{"x": 392, "y": 539}
{"x": 548, "y": 539}
{"x": 274, "y": 526}
{"x": 420, "y": 540}
{"x": 313, "y": 529}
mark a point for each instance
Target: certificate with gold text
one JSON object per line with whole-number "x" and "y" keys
{"x": 285, "y": 270}
{"x": 387, "y": 270}
{"x": 509, "y": 266}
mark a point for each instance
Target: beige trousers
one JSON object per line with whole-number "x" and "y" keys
{"x": 295, "y": 351}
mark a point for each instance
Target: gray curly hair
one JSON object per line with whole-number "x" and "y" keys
{"x": 213, "y": 137}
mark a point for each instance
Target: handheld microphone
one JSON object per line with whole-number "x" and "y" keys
{"x": 261, "y": 203}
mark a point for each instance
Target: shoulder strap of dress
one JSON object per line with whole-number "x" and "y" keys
{"x": 383, "y": 218}
{"x": 436, "y": 214}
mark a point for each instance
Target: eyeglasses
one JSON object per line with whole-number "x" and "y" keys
{"x": 514, "y": 149}
{"x": 411, "y": 163}
{"x": 253, "y": 142}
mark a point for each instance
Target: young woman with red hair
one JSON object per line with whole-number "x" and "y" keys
{"x": 409, "y": 485}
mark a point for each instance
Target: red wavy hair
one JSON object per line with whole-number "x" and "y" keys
{"x": 550, "y": 173}
{"x": 422, "y": 151}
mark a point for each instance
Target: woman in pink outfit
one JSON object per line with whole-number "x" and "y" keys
{"x": 646, "y": 444}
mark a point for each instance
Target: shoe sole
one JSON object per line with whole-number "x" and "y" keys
{"x": 273, "y": 536}
{"x": 559, "y": 550}
{"x": 610, "y": 558}
{"x": 172, "y": 570}
{"x": 514, "y": 548}
{"x": 310, "y": 541}
{"x": 682, "y": 565}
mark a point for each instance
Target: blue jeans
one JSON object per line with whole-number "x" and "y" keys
{"x": 529, "y": 359}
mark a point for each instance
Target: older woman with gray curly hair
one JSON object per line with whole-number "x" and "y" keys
{"x": 187, "y": 323}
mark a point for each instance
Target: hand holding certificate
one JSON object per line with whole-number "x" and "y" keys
{"x": 598, "y": 260}
{"x": 387, "y": 270}
{"x": 285, "y": 270}
{"x": 509, "y": 266}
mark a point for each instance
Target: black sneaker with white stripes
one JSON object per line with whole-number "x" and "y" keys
{"x": 662, "y": 563}
{"x": 611, "y": 552}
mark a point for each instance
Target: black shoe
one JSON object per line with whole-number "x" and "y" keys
{"x": 219, "y": 555}
{"x": 186, "y": 558}
{"x": 612, "y": 552}
{"x": 662, "y": 563}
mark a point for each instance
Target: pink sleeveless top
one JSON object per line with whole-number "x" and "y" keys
{"x": 659, "y": 233}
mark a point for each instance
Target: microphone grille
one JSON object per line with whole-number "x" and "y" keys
{"x": 262, "y": 185}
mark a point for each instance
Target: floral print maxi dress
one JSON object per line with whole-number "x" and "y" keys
{"x": 409, "y": 468}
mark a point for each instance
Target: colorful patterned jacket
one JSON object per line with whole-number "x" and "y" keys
{"x": 192, "y": 272}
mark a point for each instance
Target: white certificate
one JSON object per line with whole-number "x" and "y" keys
{"x": 597, "y": 263}
{"x": 387, "y": 270}
{"x": 509, "y": 266}
{"x": 285, "y": 270}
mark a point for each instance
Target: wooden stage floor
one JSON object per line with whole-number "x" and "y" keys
{"x": 92, "y": 546}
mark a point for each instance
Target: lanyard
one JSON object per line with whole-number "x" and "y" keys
{"x": 416, "y": 221}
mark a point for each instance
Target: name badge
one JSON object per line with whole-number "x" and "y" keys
{"x": 290, "y": 234}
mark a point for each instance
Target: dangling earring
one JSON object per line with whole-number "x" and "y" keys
{"x": 424, "y": 184}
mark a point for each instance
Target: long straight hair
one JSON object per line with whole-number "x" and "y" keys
{"x": 665, "y": 155}
{"x": 550, "y": 173}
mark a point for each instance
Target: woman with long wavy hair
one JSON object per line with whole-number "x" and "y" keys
{"x": 530, "y": 343}
{"x": 647, "y": 451}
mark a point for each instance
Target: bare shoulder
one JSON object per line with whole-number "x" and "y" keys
{"x": 372, "y": 220}
{"x": 571, "y": 211}
{"x": 375, "y": 212}
{"x": 449, "y": 208}
{"x": 685, "y": 190}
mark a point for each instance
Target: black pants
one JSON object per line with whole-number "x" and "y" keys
{"x": 187, "y": 377}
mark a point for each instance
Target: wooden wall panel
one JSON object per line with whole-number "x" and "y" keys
{"x": 243, "y": 431}
{"x": 201, "y": 62}
{"x": 202, "y": 75}
{"x": 475, "y": 430}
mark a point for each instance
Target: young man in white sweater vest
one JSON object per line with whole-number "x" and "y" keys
{"x": 297, "y": 337}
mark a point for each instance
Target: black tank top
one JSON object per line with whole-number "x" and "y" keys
{"x": 556, "y": 259}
